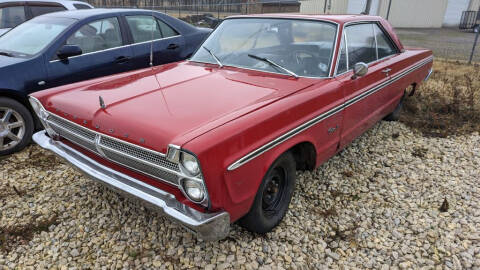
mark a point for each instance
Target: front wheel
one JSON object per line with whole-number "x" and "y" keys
{"x": 16, "y": 126}
{"x": 273, "y": 196}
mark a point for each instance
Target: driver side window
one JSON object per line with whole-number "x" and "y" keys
{"x": 97, "y": 36}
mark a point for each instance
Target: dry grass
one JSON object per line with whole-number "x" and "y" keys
{"x": 447, "y": 104}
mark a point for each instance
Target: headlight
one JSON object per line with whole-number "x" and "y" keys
{"x": 42, "y": 115}
{"x": 194, "y": 190}
{"x": 38, "y": 108}
{"x": 190, "y": 164}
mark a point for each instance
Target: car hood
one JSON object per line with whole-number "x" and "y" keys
{"x": 6, "y": 61}
{"x": 168, "y": 104}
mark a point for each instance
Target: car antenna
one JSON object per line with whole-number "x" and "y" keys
{"x": 151, "y": 40}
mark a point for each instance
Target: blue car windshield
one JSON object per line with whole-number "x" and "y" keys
{"x": 33, "y": 36}
{"x": 289, "y": 46}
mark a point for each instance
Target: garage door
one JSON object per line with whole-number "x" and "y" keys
{"x": 358, "y": 6}
{"x": 454, "y": 12}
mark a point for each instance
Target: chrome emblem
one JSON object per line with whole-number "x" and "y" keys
{"x": 102, "y": 103}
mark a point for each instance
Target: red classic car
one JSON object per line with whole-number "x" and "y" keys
{"x": 218, "y": 138}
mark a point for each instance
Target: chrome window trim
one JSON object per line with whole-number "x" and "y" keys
{"x": 293, "y": 132}
{"x": 330, "y": 70}
{"x": 118, "y": 47}
{"x": 376, "y": 43}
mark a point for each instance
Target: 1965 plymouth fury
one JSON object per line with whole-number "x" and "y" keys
{"x": 218, "y": 138}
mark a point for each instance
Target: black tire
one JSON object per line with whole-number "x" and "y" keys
{"x": 17, "y": 113}
{"x": 395, "y": 115}
{"x": 269, "y": 209}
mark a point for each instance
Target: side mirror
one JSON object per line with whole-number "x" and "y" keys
{"x": 360, "y": 69}
{"x": 68, "y": 51}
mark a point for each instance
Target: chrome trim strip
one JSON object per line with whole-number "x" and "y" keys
{"x": 118, "y": 47}
{"x": 208, "y": 226}
{"x": 262, "y": 149}
{"x": 428, "y": 75}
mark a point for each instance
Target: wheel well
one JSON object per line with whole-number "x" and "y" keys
{"x": 22, "y": 100}
{"x": 410, "y": 90}
{"x": 305, "y": 155}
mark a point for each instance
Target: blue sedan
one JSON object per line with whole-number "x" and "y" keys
{"x": 65, "y": 47}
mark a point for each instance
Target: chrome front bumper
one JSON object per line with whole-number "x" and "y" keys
{"x": 207, "y": 226}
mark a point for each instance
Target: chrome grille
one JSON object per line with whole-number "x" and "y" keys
{"x": 141, "y": 167}
{"x": 138, "y": 152}
{"x": 134, "y": 157}
{"x": 71, "y": 128}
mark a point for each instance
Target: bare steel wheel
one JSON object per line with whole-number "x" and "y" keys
{"x": 16, "y": 126}
{"x": 273, "y": 196}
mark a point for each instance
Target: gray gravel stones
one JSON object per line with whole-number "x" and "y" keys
{"x": 374, "y": 205}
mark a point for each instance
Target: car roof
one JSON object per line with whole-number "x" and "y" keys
{"x": 80, "y": 14}
{"x": 340, "y": 18}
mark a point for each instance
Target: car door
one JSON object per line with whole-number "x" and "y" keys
{"x": 103, "y": 53}
{"x": 150, "y": 33}
{"x": 362, "y": 99}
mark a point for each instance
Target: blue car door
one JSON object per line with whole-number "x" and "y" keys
{"x": 149, "y": 33}
{"x": 103, "y": 53}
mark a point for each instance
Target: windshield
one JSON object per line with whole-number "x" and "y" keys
{"x": 33, "y": 36}
{"x": 302, "y": 47}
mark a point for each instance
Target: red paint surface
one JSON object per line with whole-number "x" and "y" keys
{"x": 223, "y": 114}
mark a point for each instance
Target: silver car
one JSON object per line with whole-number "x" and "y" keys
{"x": 14, "y": 12}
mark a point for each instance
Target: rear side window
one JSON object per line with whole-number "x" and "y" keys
{"x": 97, "y": 36}
{"x": 167, "y": 31}
{"x": 81, "y": 6}
{"x": 143, "y": 28}
{"x": 384, "y": 45}
{"x": 40, "y": 10}
{"x": 12, "y": 16}
{"x": 361, "y": 44}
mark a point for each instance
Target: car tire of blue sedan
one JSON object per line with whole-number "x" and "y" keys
{"x": 273, "y": 196}
{"x": 16, "y": 126}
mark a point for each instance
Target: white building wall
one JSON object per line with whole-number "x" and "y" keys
{"x": 454, "y": 12}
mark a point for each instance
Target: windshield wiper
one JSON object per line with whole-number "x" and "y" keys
{"x": 273, "y": 64}
{"x": 6, "y": 54}
{"x": 214, "y": 57}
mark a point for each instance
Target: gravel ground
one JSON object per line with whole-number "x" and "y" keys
{"x": 375, "y": 205}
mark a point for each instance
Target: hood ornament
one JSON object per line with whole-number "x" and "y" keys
{"x": 102, "y": 103}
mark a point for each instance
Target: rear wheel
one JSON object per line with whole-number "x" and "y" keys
{"x": 16, "y": 126}
{"x": 273, "y": 196}
{"x": 395, "y": 115}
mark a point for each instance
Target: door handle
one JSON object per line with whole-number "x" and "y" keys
{"x": 386, "y": 71}
{"x": 121, "y": 59}
{"x": 172, "y": 46}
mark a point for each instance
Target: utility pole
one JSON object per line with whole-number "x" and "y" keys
{"x": 367, "y": 7}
